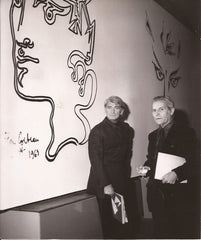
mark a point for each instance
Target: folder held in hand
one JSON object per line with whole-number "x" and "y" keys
{"x": 167, "y": 162}
{"x": 118, "y": 206}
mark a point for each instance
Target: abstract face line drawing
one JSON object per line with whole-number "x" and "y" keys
{"x": 162, "y": 74}
{"x": 170, "y": 78}
{"x": 77, "y": 61}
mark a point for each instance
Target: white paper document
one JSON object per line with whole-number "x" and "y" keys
{"x": 167, "y": 162}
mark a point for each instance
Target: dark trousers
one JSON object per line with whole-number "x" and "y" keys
{"x": 112, "y": 228}
{"x": 172, "y": 210}
{"x": 174, "y": 225}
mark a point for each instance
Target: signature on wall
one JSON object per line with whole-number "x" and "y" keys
{"x": 25, "y": 143}
{"x": 26, "y": 60}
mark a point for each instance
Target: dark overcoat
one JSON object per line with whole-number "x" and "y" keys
{"x": 180, "y": 141}
{"x": 110, "y": 151}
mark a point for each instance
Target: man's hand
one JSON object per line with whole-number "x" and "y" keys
{"x": 109, "y": 190}
{"x": 142, "y": 170}
{"x": 170, "y": 178}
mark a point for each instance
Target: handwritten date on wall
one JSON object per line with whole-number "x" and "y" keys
{"x": 25, "y": 143}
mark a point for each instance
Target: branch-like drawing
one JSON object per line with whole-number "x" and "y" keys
{"x": 169, "y": 48}
{"x": 76, "y": 60}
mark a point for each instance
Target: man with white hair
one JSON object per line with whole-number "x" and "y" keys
{"x": 110, "y": 150}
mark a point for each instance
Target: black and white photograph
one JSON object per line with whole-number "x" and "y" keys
{"x": 100, "y": 119}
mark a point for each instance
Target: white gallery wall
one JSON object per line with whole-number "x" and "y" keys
{"x": 52, "y": 91}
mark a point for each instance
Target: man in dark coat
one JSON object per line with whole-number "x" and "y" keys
{"x": 110, "y": 151}
{"x": 170, "y": 199}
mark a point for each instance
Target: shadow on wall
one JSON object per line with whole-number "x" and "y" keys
{"x": 125, "y": 115}
{"x": 126, "y": 112}
{"x": 181, "y": 117}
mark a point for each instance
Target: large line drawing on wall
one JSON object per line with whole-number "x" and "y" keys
{"x": 171, "y": 48}
{"x": 29, "y": 60}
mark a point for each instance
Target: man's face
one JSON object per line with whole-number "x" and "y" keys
{"x": 113, "y": 111}
{"x": 161, "y": 113}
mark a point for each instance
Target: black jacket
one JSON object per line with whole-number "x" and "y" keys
{"x": 180, "y": 141}
{"x": 110, "y": 151}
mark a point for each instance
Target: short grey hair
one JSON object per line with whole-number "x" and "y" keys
{"x": 116, "y": 100}
{"x": 168, "y": 101}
